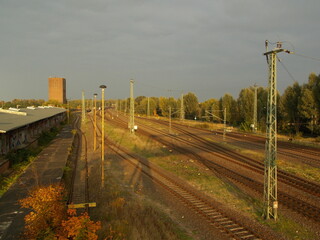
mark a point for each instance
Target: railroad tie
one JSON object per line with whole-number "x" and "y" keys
{"x": 247, "y": 236}
{"x": 224, "y": 223}
{"x": 220, "y": 220}
{"x": 236, "y": 229}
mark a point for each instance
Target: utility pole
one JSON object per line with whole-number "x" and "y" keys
{"x": 131, "y": 123}
{"x": 224, "y": 119}
{"x": 224, "y": 124}
{"x": 270, "y": 165}
{"x": 148, "y": 108}
{"x": 117, "y": 107}
{"x": 83, "y": 108}
{"x": 181, "y": 108}
{"x": 255, "y": 107}
{"x": 125, "y": 106}
{"x": 95, "y": 123}
{"x": 170, "y": 119}
{"x": 103, "y": 87}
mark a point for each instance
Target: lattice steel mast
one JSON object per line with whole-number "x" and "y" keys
{"x": 270, "y": 165}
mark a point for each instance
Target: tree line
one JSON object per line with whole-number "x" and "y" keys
{"x": 298, "y": 107}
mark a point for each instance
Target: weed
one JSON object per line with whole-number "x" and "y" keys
{"x": 221, "y": 190}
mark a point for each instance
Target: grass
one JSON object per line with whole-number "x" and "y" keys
{"x": 6, "y": 182}
{"x": 290, "y": 229}
{"x": 125, "y": 214}
{"x": 299, "y": 169}
{"x": 186, "y": 168}
{"x": 205, "y": 180}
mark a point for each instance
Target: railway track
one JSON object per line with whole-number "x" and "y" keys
{"x": 206, "y": 208}
{"x": 79, "y": 192}
{"x": 252, "y": 164}
{"x": 291, "y": 202}
{"x": 305, "y": 154}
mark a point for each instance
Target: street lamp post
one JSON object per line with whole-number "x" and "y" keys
{"x": 95, "y": 123}
{"x": 102, "y": 135}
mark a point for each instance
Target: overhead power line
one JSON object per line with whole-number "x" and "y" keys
{"x": 286, "y": 69}
{"x": 305, "y": 56}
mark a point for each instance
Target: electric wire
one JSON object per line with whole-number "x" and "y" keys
{"x": 305, "y": 56}
{"x": 286, "y": 69}
{"x": 159, "y": 88}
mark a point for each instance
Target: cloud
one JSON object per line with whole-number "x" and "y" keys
{"x": 175, "y": 44}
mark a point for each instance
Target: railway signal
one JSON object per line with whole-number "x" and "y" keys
{"x": 270, "y": 165}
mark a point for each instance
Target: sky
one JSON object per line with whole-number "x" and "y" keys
{"x": 168, "y": 47}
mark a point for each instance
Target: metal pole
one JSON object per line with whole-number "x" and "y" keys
{"x": 125, "y": 107}
{"x": 102, "y": 136}
{"x": 255, "y": 107}
{"x": 170, "y": 120}
{"x": 181, "y": 109}
{"x": 224, "y": 124}
{"x": 95, "y": 123}
{"x": 270, "y": 181}
{"x": 83, "y": 108}
{"x": 148, "y": 108}
{"x": 270, "y": 165}
{"x": 131, "y": 123}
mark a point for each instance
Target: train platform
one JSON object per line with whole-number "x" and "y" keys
{"x": 46, "y": 169}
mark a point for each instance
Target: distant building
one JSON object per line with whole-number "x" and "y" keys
{"x": 57, "y": 89}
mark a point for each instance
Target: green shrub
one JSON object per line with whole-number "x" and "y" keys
{"x": 46, "y": 137}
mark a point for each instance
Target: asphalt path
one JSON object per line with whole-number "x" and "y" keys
{"x": 46, "y": 169}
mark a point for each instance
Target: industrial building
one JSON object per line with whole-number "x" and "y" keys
{"x": 21, "y": 127}
{"x": 57, "y": 89}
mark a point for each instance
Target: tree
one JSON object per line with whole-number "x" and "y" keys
{"x": 307, "y": 107}
{"x": 191, "y": 105}
{"x": 49, "y": 218}
{"x": 228, "y": 102}
{"x": 262, "y": 107}
{"x": 289, "y": 105}
{"x": 79, "y": 227}
{"x": 142, "y": 108}
{"x": 165, "y": 103}
{"x": 47, "y": 212}
{"x": 208, "y": 108}
{"x": 246, "y": 105}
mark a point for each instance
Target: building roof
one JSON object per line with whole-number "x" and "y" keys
{"x": 13, "y": 119}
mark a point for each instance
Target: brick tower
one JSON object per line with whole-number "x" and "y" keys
{"x": 57, "y": 89}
